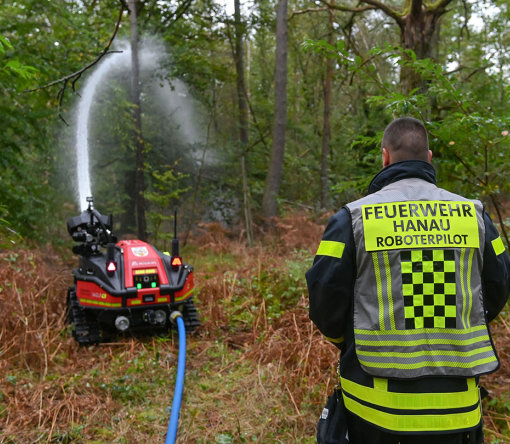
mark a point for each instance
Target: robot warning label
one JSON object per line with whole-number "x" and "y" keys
{"x": 420, "y": 224}
{"x": 140, "y": 251}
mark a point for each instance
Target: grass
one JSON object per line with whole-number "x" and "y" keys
{"x": 256, "y": 372}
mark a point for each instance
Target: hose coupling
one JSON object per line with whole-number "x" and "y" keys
{"x": 174, "y": 315}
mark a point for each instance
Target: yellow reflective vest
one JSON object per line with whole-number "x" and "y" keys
{"x": 418, "y": 305}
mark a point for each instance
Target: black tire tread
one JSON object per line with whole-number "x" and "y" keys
{"x": 86, "y": 331}
{"x": 190, "y": 316}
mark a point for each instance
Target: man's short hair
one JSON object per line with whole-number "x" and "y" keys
{"x": 406, "y": 139}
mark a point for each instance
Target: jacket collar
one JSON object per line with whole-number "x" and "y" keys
{"x": 402, "y": 170}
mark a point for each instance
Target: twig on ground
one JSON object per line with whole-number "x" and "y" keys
{"x": 293, "y": 401}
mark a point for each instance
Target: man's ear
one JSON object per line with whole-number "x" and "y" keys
{"x": 385, "y": 158}
{"x": 430, "y": 156}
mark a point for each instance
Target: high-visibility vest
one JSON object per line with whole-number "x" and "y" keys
{"x": 418, "y": 308}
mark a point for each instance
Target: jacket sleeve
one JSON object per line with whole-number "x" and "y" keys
{"x": 331, "y": 278}
{"x": 496, "y": 271}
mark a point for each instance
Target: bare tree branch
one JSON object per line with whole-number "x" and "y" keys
{"x": 370, "y": 5}
{"x": 347, "y": 8}
{"x": 439, "y": 5}
{"x": 390, "y": 12}
{"x": 464, "y": 25}
{"x": 471, "y": 74}
{"x": 306, "y": 11}
{"x": 179, "y": 12}
{"x": 469, "y": 169}
{"x": 476, "y": 71}
{"x": 76, "y": 75}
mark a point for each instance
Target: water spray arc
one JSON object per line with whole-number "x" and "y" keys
{"x": 177, "y": 107}
{"x": 83, "y": 115}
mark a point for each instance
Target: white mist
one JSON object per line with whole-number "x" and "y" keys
{"x": 179, "y": 107}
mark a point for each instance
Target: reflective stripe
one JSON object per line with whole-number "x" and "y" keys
{"x": 101, "y": 303}
{"x": 470, "y": 292}
{"x": 402, "y": 350}
{"x": 331, "y": 248}
{"x": 412, "y": 401}
{"x": 388, "y": 285}
{"x": 473, "y": 331}
{"x": 379, "y": 290}
{"x": 463, "y": 287}
{"x": 384, "y": 294}
{"x": 465, "y": 282}
{"x": 335, "y": 340}
{"x": 184, "y": 296}
{"x": 408, "y": 339}
{"x": 379, "y": 384}
{"x": 406, "y": 342}
{"x": 415, "y": 423}
{"x": 498, "y": 246}
{"x": 424, "y": 364}
{"x": 426, "y": 353}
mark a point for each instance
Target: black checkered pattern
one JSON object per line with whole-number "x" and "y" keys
{"x": 429, "y": 288}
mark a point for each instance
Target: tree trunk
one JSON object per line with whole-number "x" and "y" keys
{"x": 274, "y": 176}
{"x": 243, "y": 118}
{"x": 127, "y": 224}
{"x": 418, "y": 33}
{"x": 246, "y": 200}
{"x": 326, "y": 131}
{"x": 418, "y": 21}
{"x": 135, "y": 99}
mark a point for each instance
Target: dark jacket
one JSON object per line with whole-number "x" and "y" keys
{"x": 331, "y": 286}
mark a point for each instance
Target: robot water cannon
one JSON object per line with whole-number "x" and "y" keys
{"x": 126, "y": 285}
{"x": 92, "y": 229}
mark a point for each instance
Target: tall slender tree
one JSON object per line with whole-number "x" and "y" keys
{"x": 243, "y": 115}
{"x": 326, "y": 130}
{"x": 137, "y": 114}
{"x": 274, "y": 176}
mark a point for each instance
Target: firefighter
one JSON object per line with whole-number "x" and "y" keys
{"x": 404, "y": 283}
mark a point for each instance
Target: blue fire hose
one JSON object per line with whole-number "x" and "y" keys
{"x": 171, "y": 435}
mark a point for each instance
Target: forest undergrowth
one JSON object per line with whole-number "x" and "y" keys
{"x": 257, "y": 370}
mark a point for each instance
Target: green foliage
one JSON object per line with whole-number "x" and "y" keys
{"x": 126, "y": 389}
{"x": 337, "y": 51}
{"x": 38, "y": 45}
{"x": 166, "y": 191}
{"x": 24, "y": 71}
{"x": 4, "y": 44}
{"x": 13, "y": 69}
{"x": 17, "y": 189}
{"x": 276, "y": 288}
{"x": 468, "y": 137}
{"x": 398, "y": 104}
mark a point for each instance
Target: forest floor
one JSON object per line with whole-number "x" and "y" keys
{"x": 257, "y": 370}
